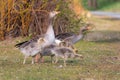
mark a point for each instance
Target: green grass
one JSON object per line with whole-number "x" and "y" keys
{"x": 104, "y": 5}
{"x": 101, "y": 59}
{"x": 100, "y": 62}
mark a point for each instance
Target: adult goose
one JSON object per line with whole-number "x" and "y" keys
{"x": 72, "y": 37}
{"x": 34, "y": 46}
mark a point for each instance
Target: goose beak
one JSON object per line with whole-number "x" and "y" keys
{"x": 89, "y": 27}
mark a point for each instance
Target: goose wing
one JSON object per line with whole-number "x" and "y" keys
{"x": 63, "y": 36}
{"x": 25, "y": 43}
{"x": 21, "y": 43}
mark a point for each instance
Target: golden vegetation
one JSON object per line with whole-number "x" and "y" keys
{"x": 30, "y": 17}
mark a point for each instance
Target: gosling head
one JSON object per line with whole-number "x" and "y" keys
{"x": 63, "y": 44}
{"x": 87, "y": 27}
{"x": 41, "y": 40}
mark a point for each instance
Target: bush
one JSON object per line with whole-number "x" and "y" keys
{"x": 30, "y": 17}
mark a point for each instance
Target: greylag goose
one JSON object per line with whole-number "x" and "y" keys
{"x": 30, "y": 48}
{"x": 72, "y": 37}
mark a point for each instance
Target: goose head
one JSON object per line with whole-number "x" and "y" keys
{"x": 53, "y": 13}
{"x": 86, "y": 28}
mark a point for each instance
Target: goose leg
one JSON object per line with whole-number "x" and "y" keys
{"x": 56, "y": 59}
{"x": 65, "y": 58}
{"x": 65, "y": 62}
{"x": 32, "y": 60}
{"x": 42, "y": 59}
{"x": 24, "y": 59}
{"x": 37, "y": 57}
{"x": 52, "y": 59}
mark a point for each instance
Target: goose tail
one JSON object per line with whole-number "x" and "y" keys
{"x": 19, "y": 44}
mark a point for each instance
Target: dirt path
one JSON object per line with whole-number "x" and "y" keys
{"x": 107, "y": 14}
{"x": 106, "y": 28}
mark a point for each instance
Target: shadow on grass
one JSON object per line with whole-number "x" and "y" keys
{"x": 112, "y": 18}
{"x": 108, "y": 41}
{"x": 103, "y": 36}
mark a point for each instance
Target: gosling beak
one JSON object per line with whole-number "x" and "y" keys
{"x": 57, "y": 12}
{"x": 89, "y": 27}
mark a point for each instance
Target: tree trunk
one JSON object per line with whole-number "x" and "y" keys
{"x": 92, "y": 4}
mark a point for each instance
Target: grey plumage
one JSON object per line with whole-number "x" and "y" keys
{"x": 65, "y": 53}
{"x": 56, "y": 51}
{"x": 72, "y": 37}
{"x": 34, "y": 46}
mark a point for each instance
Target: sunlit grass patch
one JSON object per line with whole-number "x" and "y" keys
{"x": 100, "y": 62}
